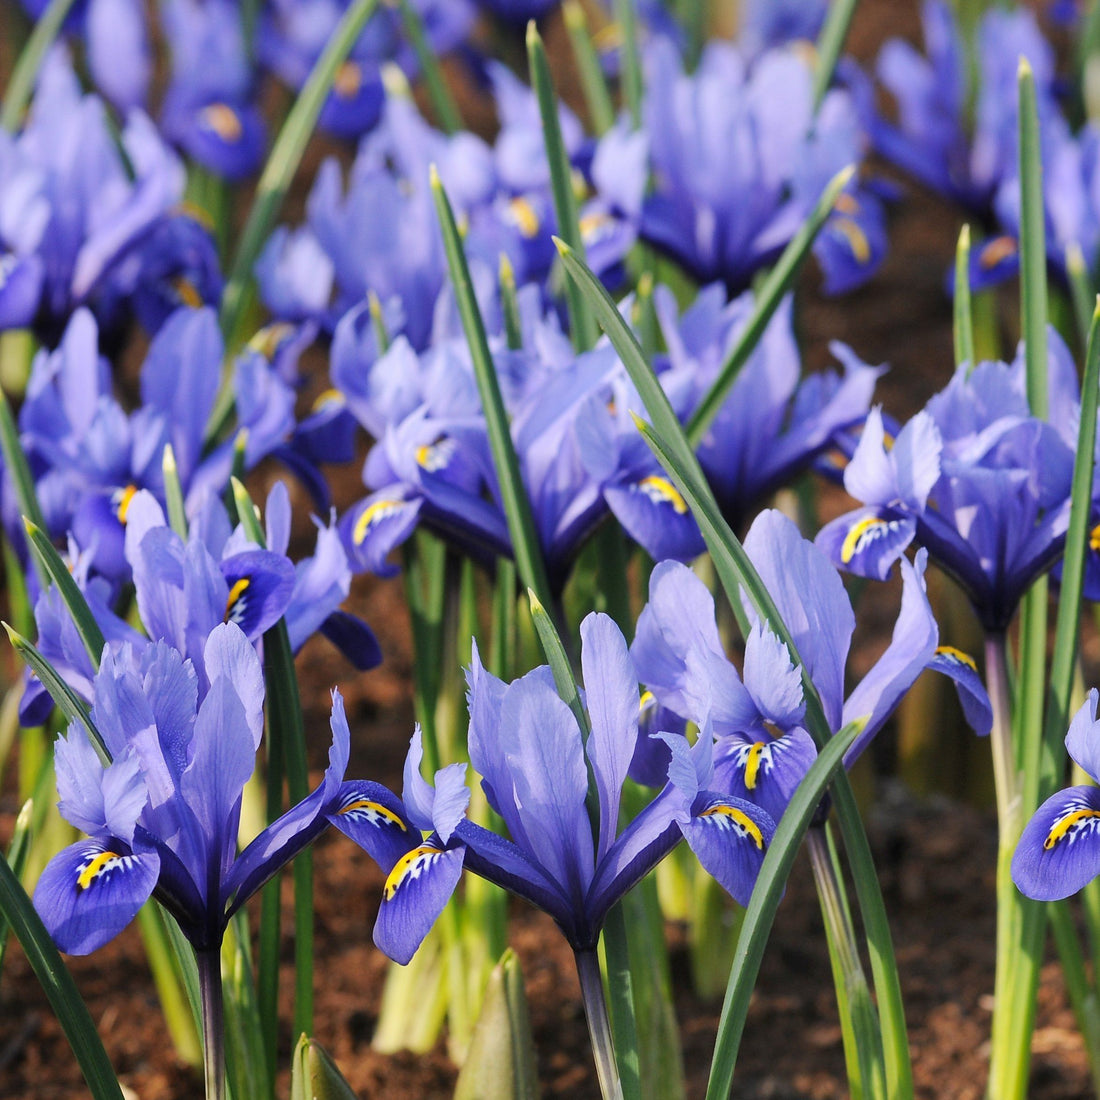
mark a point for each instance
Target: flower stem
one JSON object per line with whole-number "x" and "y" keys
{"x": 859, "y": 1021}
{"x": 599, "y": 1026}
{"x": 213, "y": 1022}
{"x": 1000, "y": 736}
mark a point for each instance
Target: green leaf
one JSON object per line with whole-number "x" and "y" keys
{"x": 17, "y": 860}
{"x": 16, "y": 461}
{"x": 173, "y": 492}
{"x": 73, "y": 598}
{"x": 630, "y": 64}
{"x": 582, "y": 325}
{"x": 71, "y": 705}
{"x": 443, "y": 103}
{"x": 513, "y": 493}
{"x": 18, "y": 92}
{"x": 314, "y": 1075}
{"x": 59, "y": 986}
{"x": 500, "y": 1064}
{"x": 765, "y": 900}
{"x": 829, "y": 44}
{"x": 601, "y": 111}
{"x": 964, "y": 317}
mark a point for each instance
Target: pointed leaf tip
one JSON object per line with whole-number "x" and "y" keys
{"x": 1023, "y": 71}
{"x": 533, "y": 37}
{"x": 433, "y": 178}
{"x": 562, "y": 247}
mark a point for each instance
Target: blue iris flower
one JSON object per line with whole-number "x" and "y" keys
{"x": 1058, "y": 852}
{"x": 535, "y": 762}
{"x": 974, "y": 478}
{"x": 162, "y": 817}
{"x": 738, "y": 159}
{"x": 72, "y": 208}
{"x": 763, "y": 747}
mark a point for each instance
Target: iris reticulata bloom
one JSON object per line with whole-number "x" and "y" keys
{"x": 534, "y": 762}
{"x": 1059, "y": 851}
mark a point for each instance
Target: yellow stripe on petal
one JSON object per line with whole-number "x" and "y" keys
{"x": 862, "y": 535}
{"x": 855, "y": 237}
{"x": 98, "y": 865}
{"x": 224, "y": 121}
{"x": 372, "y": 514}
{"x": 1065, "y": 825}
{"x": 233, "y": 606}
{"x": 122, "y": 500}
{"x": 954, "y": 654}
{"x": 738, "y": 819}
{"x": 998, "y": 249}
{"x": 752, "y": 765}
{"x": 525, "y": 217}
{"x": 349, "y": 79}
{"x": 1094, "y": 539}
{"x": 409, "y": 866}
{"x": 661, "y": 491}
{"x": 374, "y": 812}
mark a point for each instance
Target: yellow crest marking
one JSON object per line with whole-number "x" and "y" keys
{"x": 224, "y": 121}
{"x": 998, "y": 249}
{"x": 235, "y": 593}
{"x": 740, "y": 819}
{"x": 752, "y": 765}
{"x": 363, "y": 805}
{"x": 523, "y": 213}
{"x": 957, "y": 655}
{"x": 123, "y": 499}
{"x": 860, "y": 535}
{"x": 661, "y": 491}
{"x": 856, "y": 238}
{"x": 1094, "y": 539}
{"x": 94, "y": 868}
{"x": 408, "y": 864}
{"x": 187, "y": 292}
{"x": 373, "y": 513}
{"x": 326, "y": 398}
{"x": 1064, "y": 824}
{"x": 349, "y": 79}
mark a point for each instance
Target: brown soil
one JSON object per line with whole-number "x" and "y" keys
{"x": 936, "y": 857}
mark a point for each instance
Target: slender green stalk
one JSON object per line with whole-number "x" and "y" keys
{"x": 513, "y": 494}
{"x": 829, "y": 44}
{"x": 60, "y": 989}
{"x": 168, "y": 982}
{"x": 599, "y": 1026}
{"x": 446, "y": 109}
{"x": 267, "y": 975}
{"x": 631, "y": 62}
{"x": 1081, "y": 291}
{"x": 1082, "y": 993}
{"x": 213, "y": 1022}
{"x": 601, "y": 111}
{"x": 16, "y": 462}
{"x": 863, "y": 1045}
{"x": 18, "y": 92}
{"x": 17, "y": 860}
{"x": 620, "y": 984}
{"x": 275, "y": 181}
{"x": 964, "y": 317}
{"x": 173, "y": 491}
{"x": 582, "y": 324}
{"x": 763, "y": 904}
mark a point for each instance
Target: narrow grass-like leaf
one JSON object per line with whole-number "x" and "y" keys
{"x": 73, "y": 598}
{"x": 620, "y": 1001}
{"x": 18, "y": 92}
{"x": 16, "y": 461}
{"x": 729, "y": 559}
{"x": 630, "y": 64}
{"x": 70, "y": 704}
{"x": 59, "y": 986}
{"x": 173, "y": 492}
{"x": 287, "y": 737}
{"x": 1081, "y": 290}
{"x": 763, "y": 904}
{"x": 582, "y": 325}
{"x": 443, "y": 103}
{"x": 829, "y": 44}
{"x": 558, "y": 660}
{"x": 17, "y": 860}
{"x": 1021, "y": 922}
{"x": 601, "y": 111}
{"x": 779, "y": 281}
{"x": 509, "y": 303}
{"x": 964, "y": 316}
{"x": 282, "y": 164}
{"x": 513, "y": 493}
